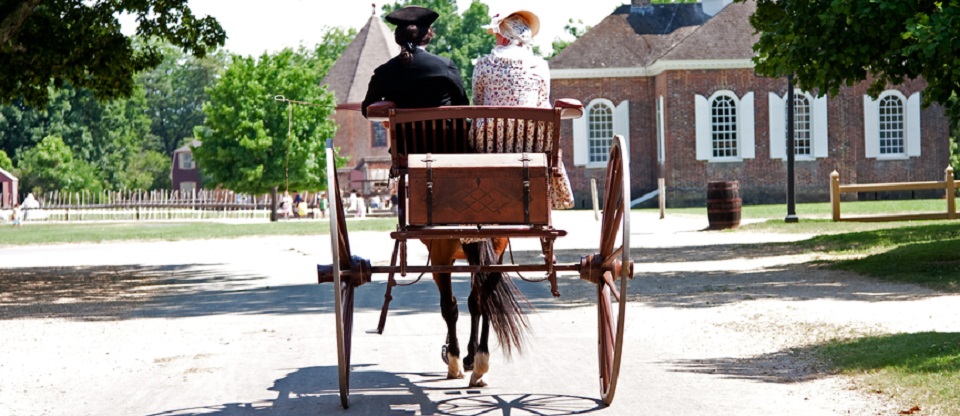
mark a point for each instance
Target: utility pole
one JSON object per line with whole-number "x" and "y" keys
{"x": 791, "y": 188}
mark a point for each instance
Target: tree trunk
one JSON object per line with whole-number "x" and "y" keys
{"x": 11, "y": 24}
{"x": 273, "y": 204}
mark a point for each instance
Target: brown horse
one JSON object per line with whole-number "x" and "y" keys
{"x": 494, "y": 299}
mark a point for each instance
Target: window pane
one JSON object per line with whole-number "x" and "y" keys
{"x": 600, "y": 132}
{"x": 724, "y": 127}
{"x": 802, "y": 132}
{"x": 379, "y": 134}
{"x": 891, "y": 126}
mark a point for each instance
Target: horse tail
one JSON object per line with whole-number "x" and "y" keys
{"x": 498, "y": 298}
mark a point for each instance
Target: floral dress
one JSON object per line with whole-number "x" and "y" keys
{"x": 514, "y": 76}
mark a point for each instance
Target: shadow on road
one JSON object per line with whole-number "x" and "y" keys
{"x": 315, "y": 390}
{"x": 187, "y": 290}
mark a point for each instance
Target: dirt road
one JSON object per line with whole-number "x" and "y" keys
{"x": 718, "y": 324}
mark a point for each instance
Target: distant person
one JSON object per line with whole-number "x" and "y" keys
{"x": 15, "y": 216}
{"x": 323, "y": 205}
{"x": 297, "y": 200}
{"x": 286, "y": 205}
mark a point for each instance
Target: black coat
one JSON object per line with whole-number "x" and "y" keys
{"x": 429, "y": 81}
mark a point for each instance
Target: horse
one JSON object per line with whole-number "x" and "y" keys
{"x": 494, "y": 300}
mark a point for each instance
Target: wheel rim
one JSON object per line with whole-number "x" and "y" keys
{"x": 336, "y": 241}
{"x": 616, "y": 221}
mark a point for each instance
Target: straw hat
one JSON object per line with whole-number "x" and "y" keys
{"x": 532, "y": 21}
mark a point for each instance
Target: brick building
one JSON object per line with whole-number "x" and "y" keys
{"x": 677, "y": 81}
{"x": 364, "y": 142}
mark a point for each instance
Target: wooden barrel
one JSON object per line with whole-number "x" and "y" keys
{"x": 723, "y": 204}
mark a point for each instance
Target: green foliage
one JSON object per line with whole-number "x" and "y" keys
{"x": 829, "y": 44}
{"x": 5, "y": 162}
{"x": 109, "y": 135}
{"x": 79, "y": 42}
{"x": 245, "y": 145}
{"x": 51, "y": 165}
{"x": 573, "y": 28}
{"x": 175, "y": 92}
{"x": 460, "y": 38}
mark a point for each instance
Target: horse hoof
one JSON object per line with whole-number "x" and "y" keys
{"x": 453, "y": 367}
{"x": 477, "y": 381}
{"x": 468, "y": 363}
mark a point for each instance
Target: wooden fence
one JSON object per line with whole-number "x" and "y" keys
{"x": 136, "y": 205}
{"x": 948, "y": 185}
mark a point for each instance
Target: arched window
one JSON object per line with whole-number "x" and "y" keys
{"x": 723, "y": 127}
{"x": 594, "y": 132}
{"x": 599, "y": 131}
{"x": 802, "y": 131}
{"x": 891, "y": 125}
{"x": 809, "y": 126}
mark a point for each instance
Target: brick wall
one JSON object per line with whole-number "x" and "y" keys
{"x": 762, "y": 179}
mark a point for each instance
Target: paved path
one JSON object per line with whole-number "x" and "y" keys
{"x": 239, "y": 327}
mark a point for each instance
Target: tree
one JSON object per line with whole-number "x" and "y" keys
{"x": 5, "y": 162}
{"x": 575, "y": 29}
{"x": 51, "y": 165}
{"x": 175, "y": 92}
{"x": 79, "y": 42}
{"x": 245, "y": 144}
{"x": 829, "y": 44}
{"x": 460, "y": 38}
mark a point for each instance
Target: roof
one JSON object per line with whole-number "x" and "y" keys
{"x": 674, "y": 31}
{"x": 728, "y": 35}
{"x": 349, "y": 76}
{"x": 7, "y": 176}
{"x": 186, "y": 147}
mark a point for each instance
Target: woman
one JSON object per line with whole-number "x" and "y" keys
{"x": 511, "y": 75}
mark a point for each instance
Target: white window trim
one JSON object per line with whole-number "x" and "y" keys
{"x": 746, "y": 139}
{"x": 818, "y": 124}
{"x": 661, "y": 132}
{"x": 621, "y": 126}
{"x": 911, "y": 126}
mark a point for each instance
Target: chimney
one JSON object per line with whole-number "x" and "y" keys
{"x": 639, "y": 3}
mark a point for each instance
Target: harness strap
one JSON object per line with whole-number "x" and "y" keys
{"x": 429, "y": 160}
{"x": 526, "y": 187}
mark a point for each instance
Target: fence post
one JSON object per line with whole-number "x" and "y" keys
{"x": 835, "y": 195}
{"x": 951, "y": 191}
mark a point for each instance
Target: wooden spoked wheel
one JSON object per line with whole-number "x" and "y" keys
{"x": 615, "y": 228}
{"x": 343, "y": 288}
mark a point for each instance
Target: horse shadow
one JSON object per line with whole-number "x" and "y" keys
{"x": 315, "y": 390}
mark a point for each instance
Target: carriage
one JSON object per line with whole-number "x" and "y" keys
{"x": 447, "y": 190}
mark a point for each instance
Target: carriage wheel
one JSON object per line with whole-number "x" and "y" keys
{"x": 343, "y": 289}
{"x": 616, "y": 259}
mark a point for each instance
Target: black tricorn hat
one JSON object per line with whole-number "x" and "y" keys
{"x": 413, "y": 15}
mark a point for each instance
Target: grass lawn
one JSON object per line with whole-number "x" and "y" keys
{"x": 921, "y": 369}
{"x": 78, "y": 232}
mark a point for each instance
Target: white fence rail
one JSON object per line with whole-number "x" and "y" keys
{"x": 134, "y": 205}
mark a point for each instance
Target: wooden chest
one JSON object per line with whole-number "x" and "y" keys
{"x": 489, "y": 188}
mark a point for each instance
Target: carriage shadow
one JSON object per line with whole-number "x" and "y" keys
{"x": 315, "y": 390}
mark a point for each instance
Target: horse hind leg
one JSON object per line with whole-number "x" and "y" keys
{"x": 450, "y": 312}
{"x": 481, "y": 361}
